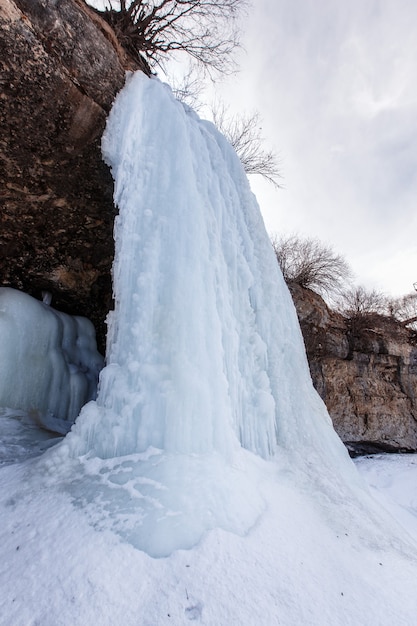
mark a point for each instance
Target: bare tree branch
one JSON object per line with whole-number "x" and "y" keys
{"x": 244, "y": 134}
{"x": 359, "y": 302}
{"x": 404, "y": 309}
{"x": 206, "y": 30}
{"x": 311, "y": 264}
{"x": 189, "y": 88}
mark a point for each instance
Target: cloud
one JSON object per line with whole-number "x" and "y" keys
{"x": 336, "y": 84}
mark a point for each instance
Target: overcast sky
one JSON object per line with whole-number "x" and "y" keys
{"x": 335, "y": 82}
{"x": 336, "y": 85}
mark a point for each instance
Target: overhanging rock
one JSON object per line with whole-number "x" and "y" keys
{"x": 61, "y": 68}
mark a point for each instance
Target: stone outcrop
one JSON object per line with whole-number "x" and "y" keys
{"x": 61, "y": 68}
{"x": 365, "y": 370}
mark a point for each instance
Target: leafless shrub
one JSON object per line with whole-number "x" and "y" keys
{"x": 359, "y": 301}
{"x": 188, "y": 88}
{"x": 368, "y": 319}
{"x": 311, "y": 264}
{"x": 404, "y": 309}
{"x": 244, "y": 133}
{"x": 206, "y": 30}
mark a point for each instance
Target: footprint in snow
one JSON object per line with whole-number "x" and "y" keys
{"x": 193, "y": 613}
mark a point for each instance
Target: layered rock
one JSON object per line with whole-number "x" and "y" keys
{"x": 61, "y": 68}
{"x": 366, "y": 372}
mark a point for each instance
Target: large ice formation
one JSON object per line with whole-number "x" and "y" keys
{"x": 206, "y": 374}
{"x": 49, "y": 363}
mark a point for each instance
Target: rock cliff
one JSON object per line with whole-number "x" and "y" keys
{"x": 366, "y": 372}
{"x": 61, "y": 68}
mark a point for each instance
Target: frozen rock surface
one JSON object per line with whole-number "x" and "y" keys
{"x": 49, "y": 363}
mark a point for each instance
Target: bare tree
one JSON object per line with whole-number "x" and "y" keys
{"x": 244, "y": 134}
{"x": 360, "y": 301}
{"x": 206, "y": 30}
{"x": 311, "y": 264}
{"x": 189, "y": 88}
{"x": 404, "y": 309}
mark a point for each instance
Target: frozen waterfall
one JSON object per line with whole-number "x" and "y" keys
{"x": 206, "y": 377}
{"x": 49, "y": 363}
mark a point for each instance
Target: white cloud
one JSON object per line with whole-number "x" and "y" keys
{"x": 336, "y": 84}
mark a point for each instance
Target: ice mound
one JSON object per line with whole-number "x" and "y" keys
{"x": 49, "y": 363}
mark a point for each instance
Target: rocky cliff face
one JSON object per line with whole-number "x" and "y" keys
{"x": 366, "y": 372}
{"x": 61, "y": 68}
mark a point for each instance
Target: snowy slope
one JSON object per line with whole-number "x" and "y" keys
{"x": 392, "y": 479}
{"x": 294, "y": 567}
{"x": 207, "y": 446}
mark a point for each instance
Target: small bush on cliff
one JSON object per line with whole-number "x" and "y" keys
{"x": 206, "y": 30}
{"x": 404, "y": 309}
{"x": 311, "y": 264}
{"x": 244, "y": 133}
{"x": 360, "y": 302}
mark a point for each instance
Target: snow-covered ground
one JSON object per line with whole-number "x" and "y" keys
{"x": 206, "y": 482}
{"x": 392, "y": 479}
{"x": 298, "y": 564}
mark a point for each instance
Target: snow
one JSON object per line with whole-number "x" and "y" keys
{"x": 20, "y": 436}
{"x": 392, "y": 481}
{"x": 49, "y": 363}
{"x": 205, "y": 483}
{"x": 294, "y": 566}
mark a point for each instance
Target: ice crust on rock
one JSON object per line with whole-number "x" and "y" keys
{"x": 206, "y": 375}
{"x": 49, "y": 363}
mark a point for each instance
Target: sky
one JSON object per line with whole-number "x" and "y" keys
{"x": 336, "y": 86}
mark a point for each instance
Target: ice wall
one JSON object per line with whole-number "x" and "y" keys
{"x": 204, "y": 348}
{"x": 49, "y": 363}
{"x": 206, "y": 369}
